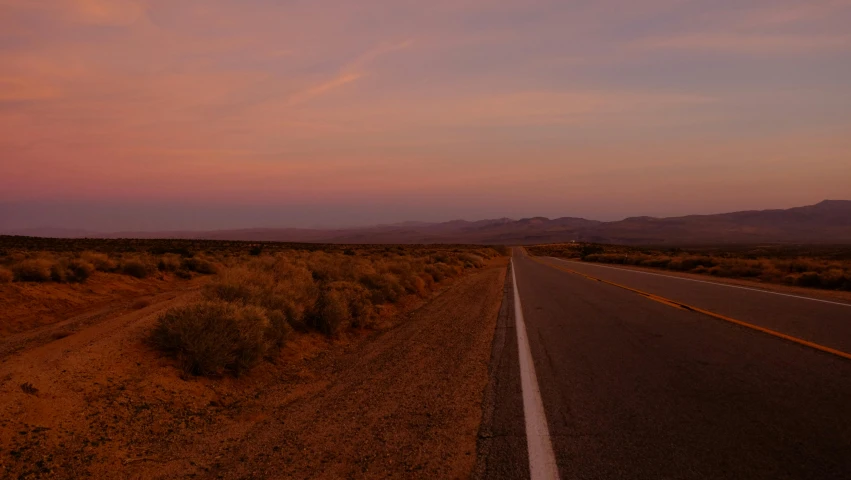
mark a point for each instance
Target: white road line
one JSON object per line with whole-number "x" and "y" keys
{"x": 704, "y": 281}
{"x": 542, "y": 461}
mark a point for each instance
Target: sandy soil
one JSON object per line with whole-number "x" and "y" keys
{"x": 25, "y": 306}
{"x": 399, "y": 403}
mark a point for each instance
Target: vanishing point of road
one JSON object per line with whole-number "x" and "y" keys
{"x": 608, "y": 373}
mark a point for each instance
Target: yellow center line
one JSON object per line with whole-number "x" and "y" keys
{"x": 683, "y": 306}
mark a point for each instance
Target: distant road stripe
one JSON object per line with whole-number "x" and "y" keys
{"x": 676, "y": 304}
{"x": 542, "y": 461}
{"x": 704, "y": 281}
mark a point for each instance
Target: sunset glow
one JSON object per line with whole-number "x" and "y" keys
{"x": 201, "y": 114}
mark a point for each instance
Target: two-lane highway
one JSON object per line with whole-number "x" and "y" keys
{"x": 635, "y": 388}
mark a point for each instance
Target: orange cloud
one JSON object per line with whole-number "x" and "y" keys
{"x": 107, "y": 12}
{"x": 324, "y": 87}
{"x": 23, "y": 89}
{"x": 349, "y": 73}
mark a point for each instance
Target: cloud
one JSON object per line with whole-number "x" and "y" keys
{"x": 324, "y": 87}
{"x": 107, "y": 12}
{"x": 22, "y": 89}
{"x": 351, "y": 72}
{"x": 371, "y": 55}
{"x": 90, "y": 12}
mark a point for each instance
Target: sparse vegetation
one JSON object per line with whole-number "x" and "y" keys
{"x": 806, "y": 266}
{"x": 260, "y": 293}
{"x": 33, "y": 270}
{"x": 323, "y": 291}
{"x": 29, "y": 389}
{"x": 136, "y": 268}
{"x": 72, "y": 261}
{"x": 210, "y": 338}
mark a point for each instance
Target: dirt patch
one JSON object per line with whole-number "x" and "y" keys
{"x": 26, "y": 306}
{"x": 402, "y": 402}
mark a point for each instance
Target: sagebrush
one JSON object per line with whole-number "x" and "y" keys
{"x": 326, "y": 292}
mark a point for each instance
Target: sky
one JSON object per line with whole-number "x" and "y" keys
{"x": 121, "y": 115}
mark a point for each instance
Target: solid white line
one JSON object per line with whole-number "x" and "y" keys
{"x": 704, "y": 281}
{"x": 542, "y": 461}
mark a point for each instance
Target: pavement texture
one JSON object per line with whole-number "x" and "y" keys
{"x": 637, "y": 389}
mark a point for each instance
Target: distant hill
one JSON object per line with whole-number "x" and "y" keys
{"x": 825, "y": 222}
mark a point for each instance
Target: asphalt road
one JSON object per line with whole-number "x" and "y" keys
{"x": 637, "y": 389}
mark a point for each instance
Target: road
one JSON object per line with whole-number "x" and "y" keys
{"x": 635, "y": 388}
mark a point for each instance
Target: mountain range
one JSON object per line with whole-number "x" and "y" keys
{"x": 828, "y": 222}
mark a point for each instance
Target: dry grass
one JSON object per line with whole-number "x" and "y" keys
{"x": 6, "y": 275}
{"x": 101, "y": 261}
{"x": 33, "y": 270}
{"x": 816, "y": 267}
{"x": 261, "y": 291}
{"x": 77, "y": 267}
{"x": 211, "y": 338}
{"x": 327, "y": 292}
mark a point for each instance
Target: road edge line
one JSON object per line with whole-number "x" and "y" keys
{"x": 684, "y": 306}
{"x": 542, "y": 462}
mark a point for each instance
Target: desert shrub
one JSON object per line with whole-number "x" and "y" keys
{"x": 33, "y": 270}
{"x": 435, "y": 273}
{"x": 237, "y": 285}
{"x": 169, "y": 263}
{"x": 357, "y": 301}
{"x": 274, "y": 286}
{"x": 324, "y": 291}
{"x": 330, "y": 314}
{"x": 100, "y": 261}
{"x": 809, "y": 266}
{"x": 279, "y": 328}
{"x": 687, "y": 264}
{"x": 809, "y": 279}
{"x": 833, "y": 278}
{"x": 210, "y": 338}
{"x": 474, "y": 261}
{"x": 801, "y": 266}
{"x": 441, "y": 258}
{"x": 6, "y": 275}
{"x": 589, "y": 249}
{"x": 58, "y": 272}
{"x": 77, "y": 270}
{"x": 655, "y": 262}
{"x": 200, "y": 265}
{"x": 136, "y": 268}
{"x": 384, "y": 287}
{"x": 428, "y": 280}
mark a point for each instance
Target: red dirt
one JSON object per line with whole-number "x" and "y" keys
{"x": 402, "y": 402}
{"x": 24, "y": 306}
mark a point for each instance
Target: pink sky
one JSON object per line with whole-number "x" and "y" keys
{"x": 125, "y": 114}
